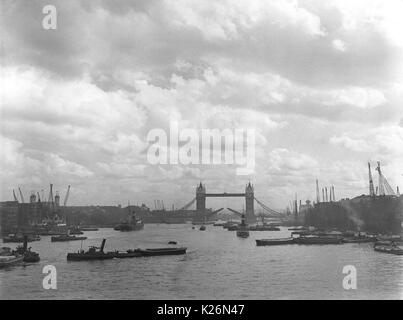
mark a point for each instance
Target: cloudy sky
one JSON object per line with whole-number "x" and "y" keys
{"x": 320, "y": 81}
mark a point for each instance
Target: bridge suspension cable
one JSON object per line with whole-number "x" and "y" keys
{"x": 265, "y": 207}
{"x": 186, "y": 206}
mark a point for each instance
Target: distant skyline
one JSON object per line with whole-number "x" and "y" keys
{"x": 321, "y": 82}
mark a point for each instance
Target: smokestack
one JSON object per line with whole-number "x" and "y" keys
{"x": 25, "y": 243}
{"x": 326, "y": 193}
{"x": 317, "y": 192}
{"x": 397, "y": 191}
{"x": 334, "y": 196}
{"x": 323, "y": 195}
{"x": 103, "y": 245}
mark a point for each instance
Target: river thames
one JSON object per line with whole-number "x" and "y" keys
{"x": 218, "y": 265}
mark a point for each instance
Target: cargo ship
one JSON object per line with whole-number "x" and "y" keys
{"x": 379, "y": 212}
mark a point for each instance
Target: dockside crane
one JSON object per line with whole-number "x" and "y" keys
{"x": 383, "y": 183}
{"x": 50, "y": 198}
{"x": 371, "y": 182}
{"x": 22, "y": 197}
{"x": 15, "y": 197}
{"x": 67, "y": 196}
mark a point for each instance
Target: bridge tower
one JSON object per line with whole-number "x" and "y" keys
{"x": 200, "y": 199}
{"x": 249, "y": 201}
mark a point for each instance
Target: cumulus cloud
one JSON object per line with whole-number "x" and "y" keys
{"x": 320, "y": 82}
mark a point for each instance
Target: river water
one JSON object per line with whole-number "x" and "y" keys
{"x": 218, "y": 265}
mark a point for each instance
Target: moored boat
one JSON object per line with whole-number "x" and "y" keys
{"x": 89, "y": 229}
{"x": 233, "y": 227}
{"x": 20, "y": 238}
{"x": 302, "y": 233}
{"x": 162, "y": 251}
{"x": 274, "y": 242}
{"x": 128, "y": 254}
{"x": 132, "y": 224}
{"x": 318, "y": 240}
{"x": 202, "y": 228}
{"x": 242, "y": 233}
{"x": 243, "y": 230}
{"x": 359, "y": 239}
{"x": 264, "y": 227}
{"x": 388, "y": 247}
{"x": 301, "y": 228}
{"x": 219, "y": 223}
{"x": 66, "y": 237}
{"x": 9, "y": 258}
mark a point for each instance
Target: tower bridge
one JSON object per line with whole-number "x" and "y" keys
{"x": 249, "y": 196}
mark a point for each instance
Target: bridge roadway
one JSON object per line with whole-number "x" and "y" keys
{"x": 224, "y": 194}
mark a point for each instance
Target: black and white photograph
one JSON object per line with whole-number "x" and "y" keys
{"x": 189, "y": 150}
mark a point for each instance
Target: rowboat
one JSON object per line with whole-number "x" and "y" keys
{"x": 274, "y": 242}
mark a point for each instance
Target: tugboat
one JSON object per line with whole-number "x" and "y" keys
{"x": 9, "y": 258}
{"x": 29, "y": 256}
{"x": 93, "y": 253}
{"x": 242, "y": 231}
{"x": 133, "y": 224}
